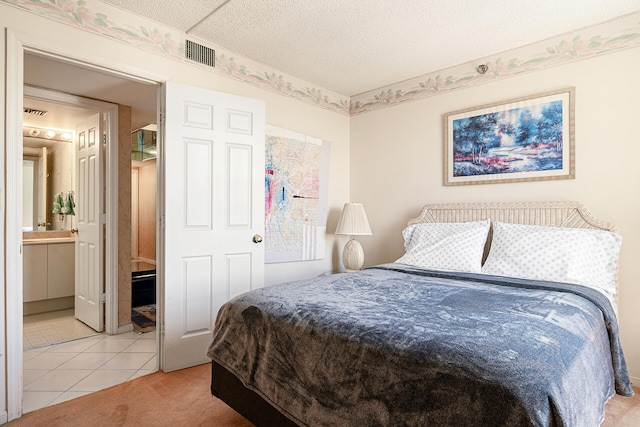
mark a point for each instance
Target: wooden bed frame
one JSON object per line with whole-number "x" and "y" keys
{"x": 230, "y": 389}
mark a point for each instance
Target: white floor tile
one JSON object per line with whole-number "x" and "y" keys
{"x": 31, "y": 375}
{"x": 54, "y": 373}
{"x": 68, "y": 395}
{"x": 59, "y": 380}
{"x": 87, "y": 361}
{"x": 152, "y": 363}
{"x": 101, "y": 379}
{"x": 30, "y": 354}
{"x": 32, "y": 400}
{"x": 51, "y": 328}
{"x": 148, "y": 335}
{"x": 76, "y": 346}
{"x": 47, "y": 360}
{"x": 127, "y": 335}
{"x": 127, "y": 361}
{"x": 141, "y": 346}
{"x": 110, "y": 345}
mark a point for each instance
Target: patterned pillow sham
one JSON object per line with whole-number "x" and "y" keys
{"x": 450, "y": 246}
{"x": 571, "y": 255}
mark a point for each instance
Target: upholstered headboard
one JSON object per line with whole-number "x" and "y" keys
{"x": 557, "y": 214}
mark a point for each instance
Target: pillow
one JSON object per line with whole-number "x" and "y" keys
{"x": 571, "y": 255}
{"x": 451, "y": 246}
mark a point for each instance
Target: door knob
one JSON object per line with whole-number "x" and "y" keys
{"x": 74, "y": 230}
{"x": 257, "y": 238}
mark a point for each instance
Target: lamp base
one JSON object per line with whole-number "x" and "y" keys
{"x": 353, "y": 256}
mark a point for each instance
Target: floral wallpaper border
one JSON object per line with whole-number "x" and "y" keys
{"x": 108, "y": 21}
{"x": 613, "y": 36}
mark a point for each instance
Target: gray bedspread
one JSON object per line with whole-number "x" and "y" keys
{"x": 393, "y": 346}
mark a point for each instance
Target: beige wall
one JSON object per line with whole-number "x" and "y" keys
{"x": 147, "y": 210}
{"x": 394, "y": 183}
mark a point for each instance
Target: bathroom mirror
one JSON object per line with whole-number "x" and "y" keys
{"x": 47, "y": 170}
{"x": 34, "y": 188}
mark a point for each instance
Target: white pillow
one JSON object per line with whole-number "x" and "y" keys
{"x": 451, "y": 246}
{"x": 571, "y": 255}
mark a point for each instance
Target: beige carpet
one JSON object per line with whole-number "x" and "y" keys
{"x": 623, "y": 411}
{"x": 183, "y": 398}
{"x": 180, "y": 398}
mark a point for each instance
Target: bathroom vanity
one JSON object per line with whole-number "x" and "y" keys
{"x": 48, "y": 271}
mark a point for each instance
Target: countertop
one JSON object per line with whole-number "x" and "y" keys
{"x": 47, "y": 237}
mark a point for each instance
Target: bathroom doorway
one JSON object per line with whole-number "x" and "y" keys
{"x": 30, "y": 62}
{"x": 69, "y": 78}
{"x": 49, "y": 223}
{"x": 138, "y": 105}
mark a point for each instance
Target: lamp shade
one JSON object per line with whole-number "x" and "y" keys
{"x": 353, "y": 221}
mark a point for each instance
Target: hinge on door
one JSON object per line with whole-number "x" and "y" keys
{"x": 103, "y": 298}
{"x": 103, "y": 218}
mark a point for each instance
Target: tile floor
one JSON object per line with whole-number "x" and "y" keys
{"x": 53, "y": 327}
{"x": 55, "y": 373}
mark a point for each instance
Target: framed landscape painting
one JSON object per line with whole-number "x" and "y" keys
{"x": 523, "y": 139}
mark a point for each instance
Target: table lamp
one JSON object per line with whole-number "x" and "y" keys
{"x": 353, "y": 222}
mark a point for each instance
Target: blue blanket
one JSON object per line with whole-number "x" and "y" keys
{"x": 393, "y": 345}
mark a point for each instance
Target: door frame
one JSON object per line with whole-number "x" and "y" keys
{"x": 17, "y": 44}
{"x": 110, "y": 249}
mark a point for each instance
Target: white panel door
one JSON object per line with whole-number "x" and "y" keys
{"x": 213, "y": 208}
{"x": 89, "y": 239}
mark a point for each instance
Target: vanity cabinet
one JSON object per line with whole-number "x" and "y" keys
{"x": 48, "y": 271}
{"x": 34, "y": 274}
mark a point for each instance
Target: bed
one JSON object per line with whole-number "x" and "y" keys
{"x": 497, "y": 314}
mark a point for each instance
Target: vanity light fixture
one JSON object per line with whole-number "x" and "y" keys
{"x": 44, "y": 133}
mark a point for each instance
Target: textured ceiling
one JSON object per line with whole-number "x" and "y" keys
{"x": 354, "y": 46}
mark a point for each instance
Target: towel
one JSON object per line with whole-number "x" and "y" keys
{"x": 69, "y": 205}
{"x": 57, "y": 204}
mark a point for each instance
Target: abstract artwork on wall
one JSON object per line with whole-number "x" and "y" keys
{"x": 296, "y": 187}
{"x": 524, "y": 139}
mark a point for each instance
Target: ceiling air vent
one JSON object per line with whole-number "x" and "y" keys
{"x": 198, "y": 53}
{"x": 35, "y": 112}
